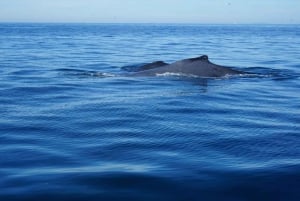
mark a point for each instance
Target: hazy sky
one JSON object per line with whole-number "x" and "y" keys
{"x": 156, "y": 11}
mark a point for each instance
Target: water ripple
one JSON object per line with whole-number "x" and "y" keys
{"x": 73, "y": 126}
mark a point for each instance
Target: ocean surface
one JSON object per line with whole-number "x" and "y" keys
{"x": 74, "y": 126}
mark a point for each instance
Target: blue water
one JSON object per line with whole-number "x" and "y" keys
{"x": 72, "y": 127}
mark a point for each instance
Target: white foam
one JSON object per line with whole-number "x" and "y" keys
{"x": 168, "y": 74}
{"x": 102, "y": 75}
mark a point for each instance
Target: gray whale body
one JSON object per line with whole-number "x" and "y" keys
{"x": 199, "y": 66}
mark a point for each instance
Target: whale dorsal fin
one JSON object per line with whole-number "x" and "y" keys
{"x": 155, "y": 64}
{"x": 201, "y": 58}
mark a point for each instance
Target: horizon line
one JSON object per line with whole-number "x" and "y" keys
{"x": 187, "y": 23}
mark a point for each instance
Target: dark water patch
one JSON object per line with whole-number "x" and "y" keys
{"x": 119, "y": 186}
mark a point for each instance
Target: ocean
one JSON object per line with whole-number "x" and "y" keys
{"x": 74, "y": 126}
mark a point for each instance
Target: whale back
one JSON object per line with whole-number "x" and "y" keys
{"x": 198, "y": 66}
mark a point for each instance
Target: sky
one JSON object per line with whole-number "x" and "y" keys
{"x": 152, "y": 11}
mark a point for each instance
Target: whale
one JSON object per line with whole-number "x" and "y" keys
{"x": 199, "y": 66}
